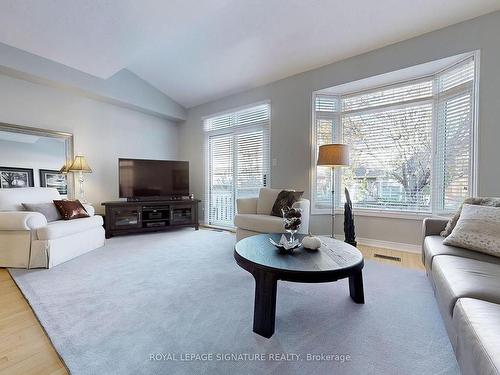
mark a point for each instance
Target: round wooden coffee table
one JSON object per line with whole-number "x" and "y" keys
{"x": 335, "y": 260}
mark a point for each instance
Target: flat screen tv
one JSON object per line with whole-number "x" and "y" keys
{"x": 153, "y": 178}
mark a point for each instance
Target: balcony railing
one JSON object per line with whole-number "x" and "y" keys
{"x": 221, "y": 211}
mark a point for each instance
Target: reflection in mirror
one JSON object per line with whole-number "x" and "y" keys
{"x": 34, "y": 157}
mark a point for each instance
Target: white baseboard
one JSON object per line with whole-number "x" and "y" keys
{"x": 408, "y": 247}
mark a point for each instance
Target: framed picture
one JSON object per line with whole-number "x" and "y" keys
{"x": 15, "y": 177}
{"x": 54, "y": 179}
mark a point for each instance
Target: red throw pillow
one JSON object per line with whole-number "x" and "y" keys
{"x": 70, "y": 210}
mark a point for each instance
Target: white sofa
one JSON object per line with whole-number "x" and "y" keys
{"x": 254, "y": 215}
{"x": 27, "y": 240}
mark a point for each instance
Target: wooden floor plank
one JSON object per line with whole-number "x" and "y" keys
{"x": 408, "y": 260}
{"x": 37, "y": 364}
{"x": 24, "y": 347}
{"x": 14, "y": 322}
{"x": 4, "y": 275}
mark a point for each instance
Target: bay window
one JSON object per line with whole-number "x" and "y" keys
{"x": 411, "y": 143}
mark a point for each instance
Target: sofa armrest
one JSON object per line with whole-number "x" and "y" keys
{"x": 246, "y": 205}
{"x": 433, "y": 226}
{"x": 90, "y": 210}
{"x": 21, "y": 220}
{"x": 305, "y": 206}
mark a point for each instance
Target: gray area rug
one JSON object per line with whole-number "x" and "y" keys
{"x": 177, "y": 303}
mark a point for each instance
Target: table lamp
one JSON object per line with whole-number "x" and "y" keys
{"x": 64, "y": 168}
{"x": 81, "y": 166}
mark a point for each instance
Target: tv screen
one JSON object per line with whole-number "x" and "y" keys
{"x": 153, "y": 178}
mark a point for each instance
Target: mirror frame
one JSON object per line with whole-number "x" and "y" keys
{"x": 68, "y": 143}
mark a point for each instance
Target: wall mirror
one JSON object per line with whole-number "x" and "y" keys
{"x": 35, "y": 157}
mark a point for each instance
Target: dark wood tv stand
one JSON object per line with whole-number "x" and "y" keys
{"x": 123, "y": 217}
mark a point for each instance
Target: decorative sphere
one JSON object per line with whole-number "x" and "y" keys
{"x": 310, "y": 242}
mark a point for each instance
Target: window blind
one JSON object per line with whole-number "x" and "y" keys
{"x": 459, "y": 74}
{"x": 396, "y": 163}
{"x": 453, "y": 140}
{"x": 238, "y": 160}
{"x": 255, "y": 116}
{"x": 326, "y": 103}
{"x": 326, "y": 131}
{"x": 390, "y": 157}
{"x": 397, "y": 94}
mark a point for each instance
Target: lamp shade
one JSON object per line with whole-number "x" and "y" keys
{"x": 333, "y": 155}
{"x": 64, "y": 169}
{"x": 80, "y": 165}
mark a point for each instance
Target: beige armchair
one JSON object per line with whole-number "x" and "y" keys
{"x": 254, "y": 215}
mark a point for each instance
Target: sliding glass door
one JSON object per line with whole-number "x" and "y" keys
{"x": 221, "y": 180}
{"x": 237, "y": 161}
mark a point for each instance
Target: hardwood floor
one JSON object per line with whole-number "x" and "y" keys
{"x": 25, "y": 348}
{"x": 404, "y": 258}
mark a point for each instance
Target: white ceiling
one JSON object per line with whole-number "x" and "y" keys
{"x": 200, "y": 50}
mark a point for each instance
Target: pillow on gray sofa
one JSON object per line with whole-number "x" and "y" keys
{"x": 494, "y": 202}
{"x": 478, "y": 229}
{"x": 49, "y": 210}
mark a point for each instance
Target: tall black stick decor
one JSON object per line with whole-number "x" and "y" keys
{"x": 350, "y": 236}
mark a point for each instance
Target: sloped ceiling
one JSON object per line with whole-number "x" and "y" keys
{"x": 196, "y": 51}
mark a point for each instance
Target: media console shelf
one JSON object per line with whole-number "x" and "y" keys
{"x": 124, "y": 217}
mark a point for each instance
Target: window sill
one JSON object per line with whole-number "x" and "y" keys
{"x": 376, "y": 213}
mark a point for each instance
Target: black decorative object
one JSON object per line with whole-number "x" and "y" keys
{"x": 350, "y": 236}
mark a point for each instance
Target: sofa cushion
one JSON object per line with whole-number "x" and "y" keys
{"x": 259, "y": 223}
{"x": 456, "y": 277}
{"x": 267, "y": 197}
{"x": 487, "y": 201}
{"x": 71, "y": 210}
{"x": 434, "y": 246}
{"x": 12, "y": 199}
{"x": 48, "y": 210}
{"x": 63, "y": 228}
{"x": 478, "y": 229}
{"x": 478, "y": 336}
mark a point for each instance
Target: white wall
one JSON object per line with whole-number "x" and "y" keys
{"x": 124, "y": 88}
{"x": 291, "y": 116}
{"x": 102, "y": 132}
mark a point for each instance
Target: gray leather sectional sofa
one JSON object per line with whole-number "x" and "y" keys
{"x": 467, "y": 288}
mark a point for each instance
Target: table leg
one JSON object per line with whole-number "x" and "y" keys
{"x": 356, "y": 287}
{"x": 265, "y": 303}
